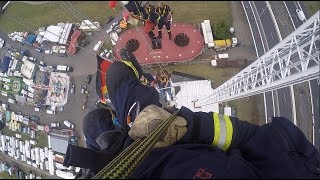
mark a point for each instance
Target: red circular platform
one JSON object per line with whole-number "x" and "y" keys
{"x": 170, "y": 52}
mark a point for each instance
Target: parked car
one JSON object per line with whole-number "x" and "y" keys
{"x": 108, "y": 54}
{"x": 49, "y": 111}
{"x": 89, "y": 77}
{"x": 48, "y": 51}
{"x": 68, "y": 124}
{"x": 73, "y": 140}
{"x": 39, "y": 50}
{"x": 35, "y": 118}
{"x": 55, "y": 124}
{"x": 115, "y": 23}
{"x": 33, "y": 142}
{"x": 32, "y": 59}
{"x": 1, "y": 42}
{"x": 72, "y": 89}
{"x": 84, "y": 89}
{"x": 19, "y": 136}
{"x": 37, "y": 109}
{"x": 33, "y": 134}
{"x": 301, "y": 15}
{"x": 42, "y": 63}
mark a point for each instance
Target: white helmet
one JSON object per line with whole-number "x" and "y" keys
{"x": 124, "y": 2}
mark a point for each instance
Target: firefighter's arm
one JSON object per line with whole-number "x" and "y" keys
{"x": 216, "y": 129}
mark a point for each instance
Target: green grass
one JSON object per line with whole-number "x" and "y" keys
{"x": 45, "y": 14}
{"x": 49, "y": 13}
{"x": 41, "y": 137}
{"x": 312, "y": 6}
{"x": 5, "y": 175}
{"x": 195, "y": 12}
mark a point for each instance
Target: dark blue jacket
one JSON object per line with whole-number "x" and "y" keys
{"x": 278, "y": 149}
{"x": 275, "y": 150}
{"x": 124, "y": 89}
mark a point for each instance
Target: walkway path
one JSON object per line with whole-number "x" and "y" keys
{"x": 32, "y": 2}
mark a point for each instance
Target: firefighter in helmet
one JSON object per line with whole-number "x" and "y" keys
{"x": 153, "y": 16}
{"x": 165, "y": 14}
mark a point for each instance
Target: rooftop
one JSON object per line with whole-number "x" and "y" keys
{"x": 58, "y": 89}
{"x": 58, "y": 143}
{"x": 193, "y": 91}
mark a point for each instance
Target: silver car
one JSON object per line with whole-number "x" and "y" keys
{"x": 1, "y": 42}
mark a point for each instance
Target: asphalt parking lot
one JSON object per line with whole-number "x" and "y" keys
{"x": 84, "y": 63}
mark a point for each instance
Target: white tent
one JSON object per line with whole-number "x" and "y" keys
{"x": 87, "y": 25}
{"x": 65, "y": 33}
{"x": 27, "y": 69}
{"x": 53, "y": 33}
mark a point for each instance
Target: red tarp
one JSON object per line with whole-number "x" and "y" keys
{"x": 73, "y": 42}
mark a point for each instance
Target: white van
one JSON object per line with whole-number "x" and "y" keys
{"x": 68, "y": 124}
{"x": 98, "y": 46}
{"x": 63, "y": 68}
{"x": 55, "y": 124}
{"x": 49, "y": 111}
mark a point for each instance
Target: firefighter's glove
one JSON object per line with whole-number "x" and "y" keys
{"x": 150, "y": 118}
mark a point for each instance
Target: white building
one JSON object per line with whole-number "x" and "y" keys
{"x": 28, "y": 69}
{"x": 189, "y": 89}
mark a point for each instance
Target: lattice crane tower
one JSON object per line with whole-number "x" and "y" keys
{"x": 293, "y": 60}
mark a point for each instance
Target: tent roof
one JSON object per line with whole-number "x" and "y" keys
{"x": 53, "y": 33}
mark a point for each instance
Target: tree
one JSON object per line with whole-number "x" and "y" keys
{"x": 221, "y": 30}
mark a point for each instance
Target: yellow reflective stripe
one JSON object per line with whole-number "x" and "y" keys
{"x": 229, "y": 133}
{"x": 216, "y": 129}
{"x": 223, "y": 131}
{"x": 128, "y": 63}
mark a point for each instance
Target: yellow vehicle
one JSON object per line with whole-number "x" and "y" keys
{"x": 222, "y": 44}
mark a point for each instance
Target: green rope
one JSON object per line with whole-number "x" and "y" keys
{"x": 125, "y": 163}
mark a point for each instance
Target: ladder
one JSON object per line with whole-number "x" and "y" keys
{"x": 293, "y": 60}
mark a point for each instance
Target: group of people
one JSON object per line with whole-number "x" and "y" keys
{"x": 160, "y": 15}
{"x": 161, "y": 82}
{"x": 195, "y": 145}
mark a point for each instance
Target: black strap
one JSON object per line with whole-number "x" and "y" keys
{"x": 86, "y": 158}
{"x": 195, "y": 130}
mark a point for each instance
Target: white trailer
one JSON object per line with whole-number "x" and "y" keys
{"x": 50, "y": 161}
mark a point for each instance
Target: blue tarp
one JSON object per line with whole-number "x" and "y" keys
{"x": 5, "y": 64}
{"x": 30, "y": 39}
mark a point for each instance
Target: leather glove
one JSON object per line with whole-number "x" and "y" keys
{"x": 150, "y": 118}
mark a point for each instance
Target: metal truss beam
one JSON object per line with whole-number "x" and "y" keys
{"x": 293, "y": 60}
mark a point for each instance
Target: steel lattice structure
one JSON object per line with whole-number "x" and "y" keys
{"x": 294, "y": 60}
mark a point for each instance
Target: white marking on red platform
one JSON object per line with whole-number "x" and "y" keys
{"x": 169, "y": 48}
